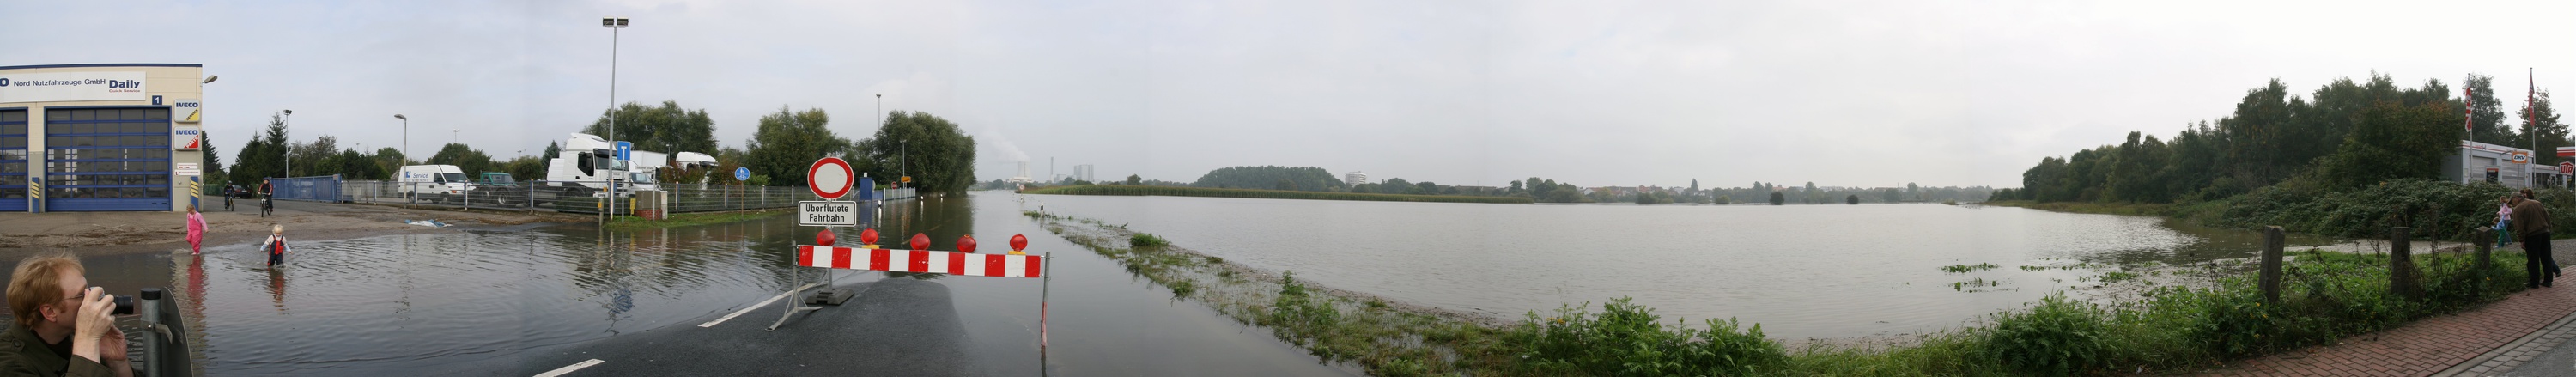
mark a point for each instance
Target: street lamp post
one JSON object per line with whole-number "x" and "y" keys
{"x": 287, "y": 153}
{"x": 614, "y": 24}
{"x": 406, "y": 137}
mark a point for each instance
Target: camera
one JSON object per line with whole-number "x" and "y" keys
{"x": 124, "y": 305}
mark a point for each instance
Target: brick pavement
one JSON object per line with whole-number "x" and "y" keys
{"x": 2474, "y": 342}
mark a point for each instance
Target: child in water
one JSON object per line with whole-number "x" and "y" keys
{"x": 276, "y": 245}
{"x": 196, "y": 231}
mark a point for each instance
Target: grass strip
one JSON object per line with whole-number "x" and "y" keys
{"x": 2326, "y": 296}
{"x": 626, "y": 223}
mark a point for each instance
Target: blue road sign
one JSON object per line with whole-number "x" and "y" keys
{"x": 625, "y": 150}
{"x": 742, "y": 174}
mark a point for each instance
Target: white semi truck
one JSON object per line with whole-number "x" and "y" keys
{"x": 588, "y": 162}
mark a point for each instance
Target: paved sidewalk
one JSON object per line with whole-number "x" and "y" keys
{"x": 2479, "y": 342}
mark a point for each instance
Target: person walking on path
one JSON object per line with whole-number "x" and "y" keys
{"x": 276, "y": 245}
{"x": 2504, "y": 220}
{"x": 196, "y": 231}
{"x": 2531, "y": 222}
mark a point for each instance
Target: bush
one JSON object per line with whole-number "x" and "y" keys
{"x": 1625, "y": 339}
{"x": 1145, "y": 240}
{"x": 2057, "y": 337}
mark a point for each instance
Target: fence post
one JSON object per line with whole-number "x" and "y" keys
{"x": 2401, "y": 264}
{"x": 2272, "y": 244}
{"x": 2486, "y": 247}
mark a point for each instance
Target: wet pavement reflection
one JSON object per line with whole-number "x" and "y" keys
{"x": 516, "y": 300}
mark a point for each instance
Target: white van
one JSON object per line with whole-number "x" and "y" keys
{"x": 433, "y": 180}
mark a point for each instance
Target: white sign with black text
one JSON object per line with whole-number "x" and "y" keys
{"x": 72, "y": 86}
{"x": 827, "y": 213}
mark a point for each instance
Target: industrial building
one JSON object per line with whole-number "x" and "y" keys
{"x": 99, "y": 137}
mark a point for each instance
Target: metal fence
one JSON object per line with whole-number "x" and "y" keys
{"x": 316, "y": 189}
{"x": 579, "y": 196}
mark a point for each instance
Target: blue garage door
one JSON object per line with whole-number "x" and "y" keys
{"x": 13, "y": 160}
{"x": 107, "y": 159}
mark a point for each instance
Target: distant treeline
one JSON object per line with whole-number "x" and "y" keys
{"x": 1264, "y": 194}
{"x": 2343, "y": 136}
{"x": 1535, "y": 189}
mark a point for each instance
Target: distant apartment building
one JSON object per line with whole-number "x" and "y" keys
{"x": 1355, "y": 178}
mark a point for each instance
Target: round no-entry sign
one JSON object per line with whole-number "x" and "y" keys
{"x": 828, "y": 178}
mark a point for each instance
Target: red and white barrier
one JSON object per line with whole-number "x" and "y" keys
{"x": 943, "y": 262}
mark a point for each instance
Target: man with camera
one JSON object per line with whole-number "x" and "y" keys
{"x": 63, "y": 327}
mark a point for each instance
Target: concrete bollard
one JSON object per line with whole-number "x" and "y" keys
{"x": 2272, "y": 244}
{"x": 2401, "y": 264}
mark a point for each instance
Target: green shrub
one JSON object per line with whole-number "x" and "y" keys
{"x": 2056, "y": 337}
{"x": 1146, "y": 240}
{"x": 1626, "y": 339}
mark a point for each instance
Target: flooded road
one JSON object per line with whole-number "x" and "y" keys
{"x": 511, "y": 301}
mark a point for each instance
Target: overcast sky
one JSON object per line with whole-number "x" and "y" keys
{"x": 1593, "y": 93}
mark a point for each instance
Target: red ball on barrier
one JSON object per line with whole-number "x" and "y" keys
{"x": 966, "y": 244}
{"x": 920, "y": 241}
{"x": 1019, "y": 242}
{"x": 825, "y": 238}
{"x": 868, "y": 236}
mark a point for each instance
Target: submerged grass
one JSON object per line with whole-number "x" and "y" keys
{"x": 2326, "y": 296}
{"x": 690, "y": 219}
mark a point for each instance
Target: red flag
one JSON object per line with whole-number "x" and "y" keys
{"x": 2468, "y": 107}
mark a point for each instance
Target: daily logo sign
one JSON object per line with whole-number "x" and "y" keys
{"x": 72, "y": 86}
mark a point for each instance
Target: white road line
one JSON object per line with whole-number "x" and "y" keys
{"x": 738, "y": 313}
{"x": 569, "y": 368}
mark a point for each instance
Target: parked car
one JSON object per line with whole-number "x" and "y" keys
{"x": 496, "y": 180}
{"x": 239, "y": 192}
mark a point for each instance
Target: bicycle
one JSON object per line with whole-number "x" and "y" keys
{"x": 267, "y": 205}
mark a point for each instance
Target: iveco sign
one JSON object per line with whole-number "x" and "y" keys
{"x": 72, "y": 86}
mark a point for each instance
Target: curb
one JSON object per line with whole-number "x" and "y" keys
{"x": 2513, "y": 354}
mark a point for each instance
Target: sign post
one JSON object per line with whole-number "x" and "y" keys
{"x": 829, "y": 178}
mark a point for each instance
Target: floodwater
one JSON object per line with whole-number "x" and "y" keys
{"x": 1801, "y": 271}
{"x": 480, "y": 301}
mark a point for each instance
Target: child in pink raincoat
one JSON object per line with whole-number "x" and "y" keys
{"x": 196, "y": 231}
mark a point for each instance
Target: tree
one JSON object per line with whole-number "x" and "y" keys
{"x": 787, "y": 142}
{"x": 215, "y": 177}
{"x": 2486, "y": 113}
{"x": 264, "y": 156}
{"x": 1852, "y": 200}
{"x": 1133, "y": 180}
{"x": 666, "y": 128}
{"x": 2394, "y": 141}
{"x": 2537, "y": 115}
{"x": 351, "y": 164}
{"x": 1891, "y": 196}
{"x": 1777, "y": 198}
{"x": 308, "y": 157}
{"x": 554, "y": 150}
{"x": 390, "y": 159}
{"x": 473, "y": 162}
{"x": 935, "y": 152}
{"x": 1306, "y": 178}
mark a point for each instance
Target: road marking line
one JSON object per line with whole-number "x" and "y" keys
{"x": 570, "y": 368}
{"x": 738, "y": 313}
